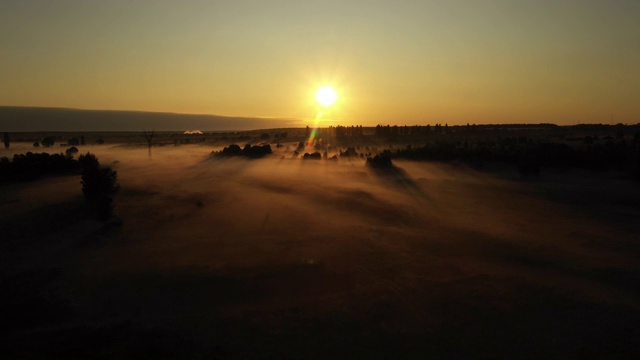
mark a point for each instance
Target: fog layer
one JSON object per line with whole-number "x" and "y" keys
{"x": 281, "y": 255}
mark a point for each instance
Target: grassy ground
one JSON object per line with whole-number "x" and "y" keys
{"x": 281, "y": 258}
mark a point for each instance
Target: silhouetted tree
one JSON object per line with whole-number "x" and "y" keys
{"x": 231, "y": 150}
{"x": 30, "y": 166}
{"x": 99, "y": 185}
{"x": 248, "y": 150}
{"x": 82, "y": 142}
{"x": 258, "y": 150}
{"x": 149, "y": 136}
{"x": 48, "y": 141}
{"x": 36, "y": 144}
{"x": 72, "y": 150}
{"x": 350, "y": 152}
{"x": 314, "y": 156}
{"x": 382, "y": 160}
{"x": 88, "y": 161}
{"x": 73, "y": 141}
{"x": 7, "y": 140}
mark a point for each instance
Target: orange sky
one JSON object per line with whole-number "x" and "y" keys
{"x": 397, "y": 62}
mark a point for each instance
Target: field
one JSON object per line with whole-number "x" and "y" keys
{"x": 285, "y": 258}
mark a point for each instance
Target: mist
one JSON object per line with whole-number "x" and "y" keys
{"x": 218, "y": 251}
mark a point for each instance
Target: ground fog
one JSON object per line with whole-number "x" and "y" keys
{"x": 280, "y": 256}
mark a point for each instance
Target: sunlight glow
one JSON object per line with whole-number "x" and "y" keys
{"x": 326, "y": 96}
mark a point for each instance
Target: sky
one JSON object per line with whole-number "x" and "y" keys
{"x": 391, "y": 62}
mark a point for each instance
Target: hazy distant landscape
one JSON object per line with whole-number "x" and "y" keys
{"x": 282, "y": 255}
{"x": 29, "y": 119}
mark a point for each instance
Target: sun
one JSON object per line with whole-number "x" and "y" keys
{"x": 326, "y": 96}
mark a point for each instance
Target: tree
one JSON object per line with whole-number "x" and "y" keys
{"x": 99, "y": 185}
{"x": 73, "y": 141}
{"x": 30, "y": 166}
{"x": 7, "y": 140}
{"x": 88, "y": 161}
{"x": 380, "y": 161}
{"x": 149, "y": 137}
{"x": 255, "y": 151}
{"x": 48, "y": 141}
{"x": 72, "y": 150}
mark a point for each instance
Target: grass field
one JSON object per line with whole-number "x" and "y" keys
{"x": 285, "y": 258}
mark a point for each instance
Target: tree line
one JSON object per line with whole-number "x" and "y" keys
{"x": 530, "y": 155}
{"x": 99, "y": 184}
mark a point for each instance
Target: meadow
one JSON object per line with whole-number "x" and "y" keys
{"x": 280, "y": 257}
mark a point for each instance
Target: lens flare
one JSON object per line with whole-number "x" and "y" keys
{"x": 314, "y": 130}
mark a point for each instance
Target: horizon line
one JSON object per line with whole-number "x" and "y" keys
{"x": 283, "y": 118}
